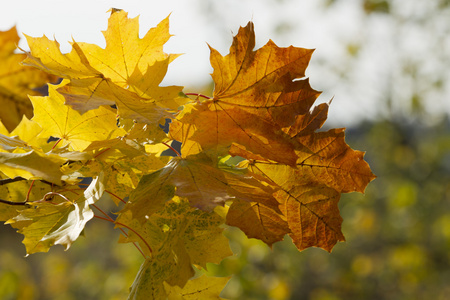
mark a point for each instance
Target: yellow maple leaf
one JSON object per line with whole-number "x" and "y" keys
{"x": 32, "y": 165}
{"x": 203, "y": 287}
{"x": 61, "y": 121}
{"x": 47, "y": 223}
{"x": 16, "y": 81}
{"x": 126, "y": 73}
{"x": 125, "y": 51}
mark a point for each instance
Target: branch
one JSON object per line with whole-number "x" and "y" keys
{"x": 11, "y": 180}
{"x": 15, "y": 179}
{"x": 14, "y": 203}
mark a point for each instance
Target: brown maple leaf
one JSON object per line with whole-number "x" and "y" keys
{"x": 262, "y": 110}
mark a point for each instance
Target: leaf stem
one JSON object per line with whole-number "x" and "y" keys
{"x": 55, "y": 194}
{"x": 57, "y": 142}
{"x": 116, "y": 196}
{"x": 123, "y": 231}
{"x": 109, "y": 219}
{"x": 129, "y": 228}
{"x": 198, "y": 95}
{"x": 29, "y": 191}
{"x": 173, "y": 149}
{"x": 101, "y": 152}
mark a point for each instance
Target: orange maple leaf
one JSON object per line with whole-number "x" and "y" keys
{"x": 262, "y": 110}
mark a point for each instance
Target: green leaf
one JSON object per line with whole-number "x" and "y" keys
{"x": 48, "y": 223}
{"x": 179, "y": 236}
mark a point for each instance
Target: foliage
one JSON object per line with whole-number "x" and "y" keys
{"x": 16, "y": 81}
{"x": 251, "y": 155}
{"x": 398, "y": 236}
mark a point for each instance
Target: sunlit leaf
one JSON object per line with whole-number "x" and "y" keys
{"x": 61, "y": 121}
{"x": 16, "y": 81}
{"x": 203, "y": 287}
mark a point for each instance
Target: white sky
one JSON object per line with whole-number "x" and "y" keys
{"x": 197, "y": 22}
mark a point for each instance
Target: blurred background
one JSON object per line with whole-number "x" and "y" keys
{"x": 385, "y": 62}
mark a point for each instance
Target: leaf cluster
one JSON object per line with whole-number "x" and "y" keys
{"x": 251, "y": 155}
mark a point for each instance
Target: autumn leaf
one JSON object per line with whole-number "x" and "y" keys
{"x": 89, "y": 94}
{"x": 258, "y": 221}
{"x": 256, "y": 95}
{"x": 324, "y": 158}
{"x": 10, "y": 143}
{"x": 313, "y": 216}
{"x": 32, "y": 165}
{"x": 46, "y": 55}
{"x": 61, "y": 121}
{"x": 309, "y": 193}
{"x": 16, "y": 81}
{"x": 29, "y": 132}
{"x": 209, "y": 128}
{"x": 18, "y": 191}
{"x": 199, "y": 180}
{"x": 262, "y": 110}
{"x": 125, "y": 51}
{"x": 203, "y": 287}
{"x": 50, "y": 224}
{"x": 252, "y": 155}
{"x": 47, "y": 224}
{"x": 127, "y": 73}
{"x": 179, "y": 236}
{"x": 262, "y": 81}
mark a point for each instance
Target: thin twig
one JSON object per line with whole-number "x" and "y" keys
{"x": 11, "y": 180}
{"x": 15, "y": 203}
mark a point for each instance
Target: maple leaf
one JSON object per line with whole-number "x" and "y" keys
{"x": 261, "y": 110}
{"x": 16, "y": 81}
{"x": 47, "y": 224}
{"x": 262, "y": 81}
{"x": 256, "y": 95}
{"x": 19, "y": 191}
{"x": 202, "y": 287}
{"x": 32, "y": 165}
{"x": 210, "y": 128}
{"x": 125, "y": 51}
{"x": 10, "y": 143}
{"x": 61, "y": 121}
{"x": 88, "y": 94}
{"x": 309, "y": 193}
{"x": 258, "y": 221}
{"x": 179, "y": 236}
{"x": 46, "y": 55}
{"x": 126, "y": 73}
{"x": 29, "y": 132}
{"x": 199, "y": 180}
{"x": 253, "y": 148}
